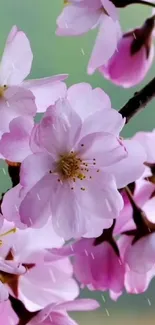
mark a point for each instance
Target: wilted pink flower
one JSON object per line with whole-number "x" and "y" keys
{"x": 70, "y": 170}
{"x": 57, "y": 313}
{"x": 42, "y": 282}
{"x": 97, "y": 266}
{"x": 133, "y": 57}
{"x": 79, "y": 17}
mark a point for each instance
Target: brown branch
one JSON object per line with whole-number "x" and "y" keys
{"x": 14, "y": 172}
{"x": 125, "y": 3}
{"x": 24, "y": 315}
{"x": 138, "y": 102}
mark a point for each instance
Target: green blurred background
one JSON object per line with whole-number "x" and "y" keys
{"x": 54, "y": 55}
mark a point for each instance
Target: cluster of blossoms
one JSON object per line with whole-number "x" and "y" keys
{"x": 79, "y": 189}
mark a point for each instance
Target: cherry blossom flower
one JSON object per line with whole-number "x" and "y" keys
{"x": 78, "y": 17}
{"x": 133, "y": 58}
{"x": 57, "y": 313}
{"x": 70, "y": 169}
{"x": 93, "y": 166}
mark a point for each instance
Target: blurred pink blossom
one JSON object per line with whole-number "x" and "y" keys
{"x": 78, "y": 17}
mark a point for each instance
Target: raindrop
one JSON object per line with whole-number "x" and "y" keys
{"x": 4, "y": 171}
{"x": 149, "y": 302}
{"x": 103, "y": 298}
{"x": 86, "y": 252}
{"x": 82, "y": 51}
{"x": 107, "y": 312}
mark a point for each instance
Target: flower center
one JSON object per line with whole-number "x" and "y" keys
{"x": 69, "y": 166}
{"x": 2, "y": 90}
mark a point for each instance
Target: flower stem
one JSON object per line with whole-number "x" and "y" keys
{"x": 139, "y": 101}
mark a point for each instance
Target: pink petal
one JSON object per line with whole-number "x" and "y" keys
{"x": 132, "y": 167}
{"x": 10, "y": 205}
{"x": 95, "y": 226}
{"x": 100, "y": 199}
{"x": 17, "y": 58}
{"x": 97, "y": 122}
{"x": 46, "y": 90}
{"x": 29, "y": 241}
{"x": 21, "y": 101}
{"x": 35, "y": 139}
{"x": 103, "y": 49}
{"x": 67, "y": 218}
{"x": 6, "y": 117}
{"x": 34, "y": 207}
{"x": 56, "y": 286}
{"x": 110, "y": 8}
{"x": 140, "y": 257}
{"x": 149, "y": 208}
{"x": 79, "y": 305}
{"x": 135, "y": 282}
{"x": 104, "y": 147}
{"x": 34, "y": 167}
{"x": 4, "y": 294}
{"x": 12, "y": 267}
{"x": 86, "y": 101}
{"x": 8, "y": 316}
{"x": 76, "y": 20}
{"x": 115, "y": 295}
{"x": 106, "y": 269}
{"x": 15, "y": 145}
{"x": 147, "y": 140}
{"x": 45, "y": 318}
{"x": 59, "y": 129}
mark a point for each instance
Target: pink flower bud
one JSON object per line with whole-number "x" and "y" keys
{"x": 133, "y": 57}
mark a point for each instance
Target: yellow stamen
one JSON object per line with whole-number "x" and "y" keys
{"x": 69, "y": 166}
{"x": 11, "y": 231}
{"x": 2, "y": 90}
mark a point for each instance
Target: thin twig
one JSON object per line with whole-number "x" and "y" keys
{"x": 122, "y": 3}
{"x": 138, "y": 102}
